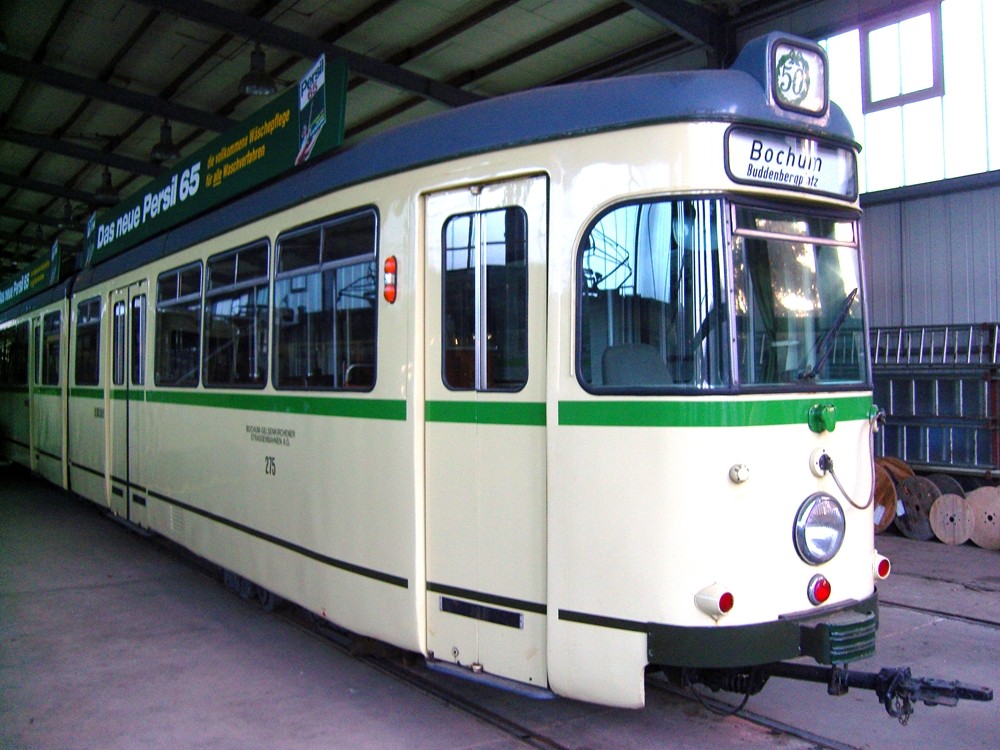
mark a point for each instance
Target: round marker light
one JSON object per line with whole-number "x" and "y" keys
{"x": 819, "y": 590}
{"x": 882, "y": 567}
{"x": 715, "y": 601}
{"x": 819, "y": 528}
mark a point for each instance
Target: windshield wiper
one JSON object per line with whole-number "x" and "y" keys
{"x": 823, "y": 348}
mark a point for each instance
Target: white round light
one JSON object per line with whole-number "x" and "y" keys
{"x": 819, "y": 528}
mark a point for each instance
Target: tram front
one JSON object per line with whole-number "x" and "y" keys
{"x": 718, "y": 513}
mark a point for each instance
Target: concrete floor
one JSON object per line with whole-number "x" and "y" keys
{"x": 108, "y": 642}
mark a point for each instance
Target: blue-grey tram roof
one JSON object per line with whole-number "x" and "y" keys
{"x": 738, "y": 94}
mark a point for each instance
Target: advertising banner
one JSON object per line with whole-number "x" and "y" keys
{"x": 303, "y": 122}
{"x": 40, "y": 275}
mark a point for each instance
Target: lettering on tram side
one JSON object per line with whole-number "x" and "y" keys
{"x": 270, "y": 435}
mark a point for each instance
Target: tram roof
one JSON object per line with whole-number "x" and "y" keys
{"x": 738, "y": 94}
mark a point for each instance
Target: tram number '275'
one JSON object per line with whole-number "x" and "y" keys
{"x": 270, "y": 466}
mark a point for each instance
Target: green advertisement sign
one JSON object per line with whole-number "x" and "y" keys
{"x": 41, "y": 275}
{"x": 300, "y": 123}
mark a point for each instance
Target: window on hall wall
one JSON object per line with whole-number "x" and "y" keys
{"x": 922, "y": 91}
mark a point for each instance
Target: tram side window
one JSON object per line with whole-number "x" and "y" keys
{"x": 236, "y": 310}
{"x": 652, "y": 299}
{"x": 51, "y": 330}
{"x": 14, "y": 355}
{"x": 178, "y": 329}
{"x": 325, "y": 291}
{"x": 88, "y": 342}
{"x": 118, "y": 345}
{"x": 139, "y": 340}
{"x": 485, "y": 290}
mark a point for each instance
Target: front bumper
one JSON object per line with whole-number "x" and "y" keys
{"x": 836, "y": 635}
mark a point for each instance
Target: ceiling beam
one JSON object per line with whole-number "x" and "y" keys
{"x": 43, "y": 219}
{"x": 695, "y": 23}
{"x": 291, "y": 41}
{"x": 76, "y": 84}
{"x": 23, "y": 239}
{"x": 48, "y": 188}
{"x": 76, "y": 151}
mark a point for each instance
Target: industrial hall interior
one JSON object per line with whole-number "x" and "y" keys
{"x": 492, "y": 374}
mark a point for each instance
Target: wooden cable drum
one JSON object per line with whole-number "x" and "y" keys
{"x": 898, "y": 468}
{"x": 951, "y": 519}
{"x": 984, "y": 507}
{"x": 947, "y": 484}
{"x": 917, "y": 495}
{"x": 885, "y": 499}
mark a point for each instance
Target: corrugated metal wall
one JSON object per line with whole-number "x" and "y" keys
{"x": 934, "y": 260}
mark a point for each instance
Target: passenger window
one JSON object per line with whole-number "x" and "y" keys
{"x": 652, "y": 299}
{"x": 139, "y": 340}
{"x": 485, "y": 290}
{"x": 325, "y": 290}
{"x": 118, "y": 368}
{"x": 178, "y": 328}
{"x": 236, "y": 310}
{"x": 88, "y": 342}
{"x": 51, "y": 331}
{"x": 14, "y": 355}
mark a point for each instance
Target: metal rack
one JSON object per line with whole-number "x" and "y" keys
{"x": 938, "y": 385}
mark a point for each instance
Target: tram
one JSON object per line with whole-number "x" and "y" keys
{"x": 552, "y": 389}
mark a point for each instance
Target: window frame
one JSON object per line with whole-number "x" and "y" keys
{"x": 321, "y": 267}
{"x": 237, "y": 286}
{"x": 15, "y": 366}
{"x": 177, "y": 301}
{"x": 91, "y": 326}
{"x": 46, "y": 366}
{"x": 728, "y": 384}
{"x": 481, "y": 300}
{"x": 937, "y": 58}
{"x": 736, "y": 203}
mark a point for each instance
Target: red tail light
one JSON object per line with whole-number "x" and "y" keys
{"x": 819, "y": 590}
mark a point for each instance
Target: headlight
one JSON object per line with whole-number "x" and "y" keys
{"x": 819, "y": 528}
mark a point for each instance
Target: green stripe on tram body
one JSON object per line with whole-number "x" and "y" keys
{"x": 79, "y": 392}
{"x": 520, "y": 413}
{"x": 705, "y": 413}
{"x": 320, "y": 406}
{"x": 695, "y": 412}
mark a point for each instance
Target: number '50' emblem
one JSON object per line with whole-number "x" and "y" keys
{"x": 792, "y": 78}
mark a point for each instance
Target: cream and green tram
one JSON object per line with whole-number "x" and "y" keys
{"x": 33, "y": 392}
{"x": 550, "y": 389}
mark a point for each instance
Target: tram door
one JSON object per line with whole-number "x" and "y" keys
{"x": 485, "y": 375}
{"x": 46, "y": 399}
{"x": 126, "y": 393}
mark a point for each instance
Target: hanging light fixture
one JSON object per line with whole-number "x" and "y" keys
{"x": 257, "y": 82}
{"x": 165, "y": 150}
{"x": 106, "y": 194}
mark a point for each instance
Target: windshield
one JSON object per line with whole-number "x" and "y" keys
{"x": 799, "y": 312}
{"x": 653, "y": 300}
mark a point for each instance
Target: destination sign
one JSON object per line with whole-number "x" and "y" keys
{"x": 782, "y": 160}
